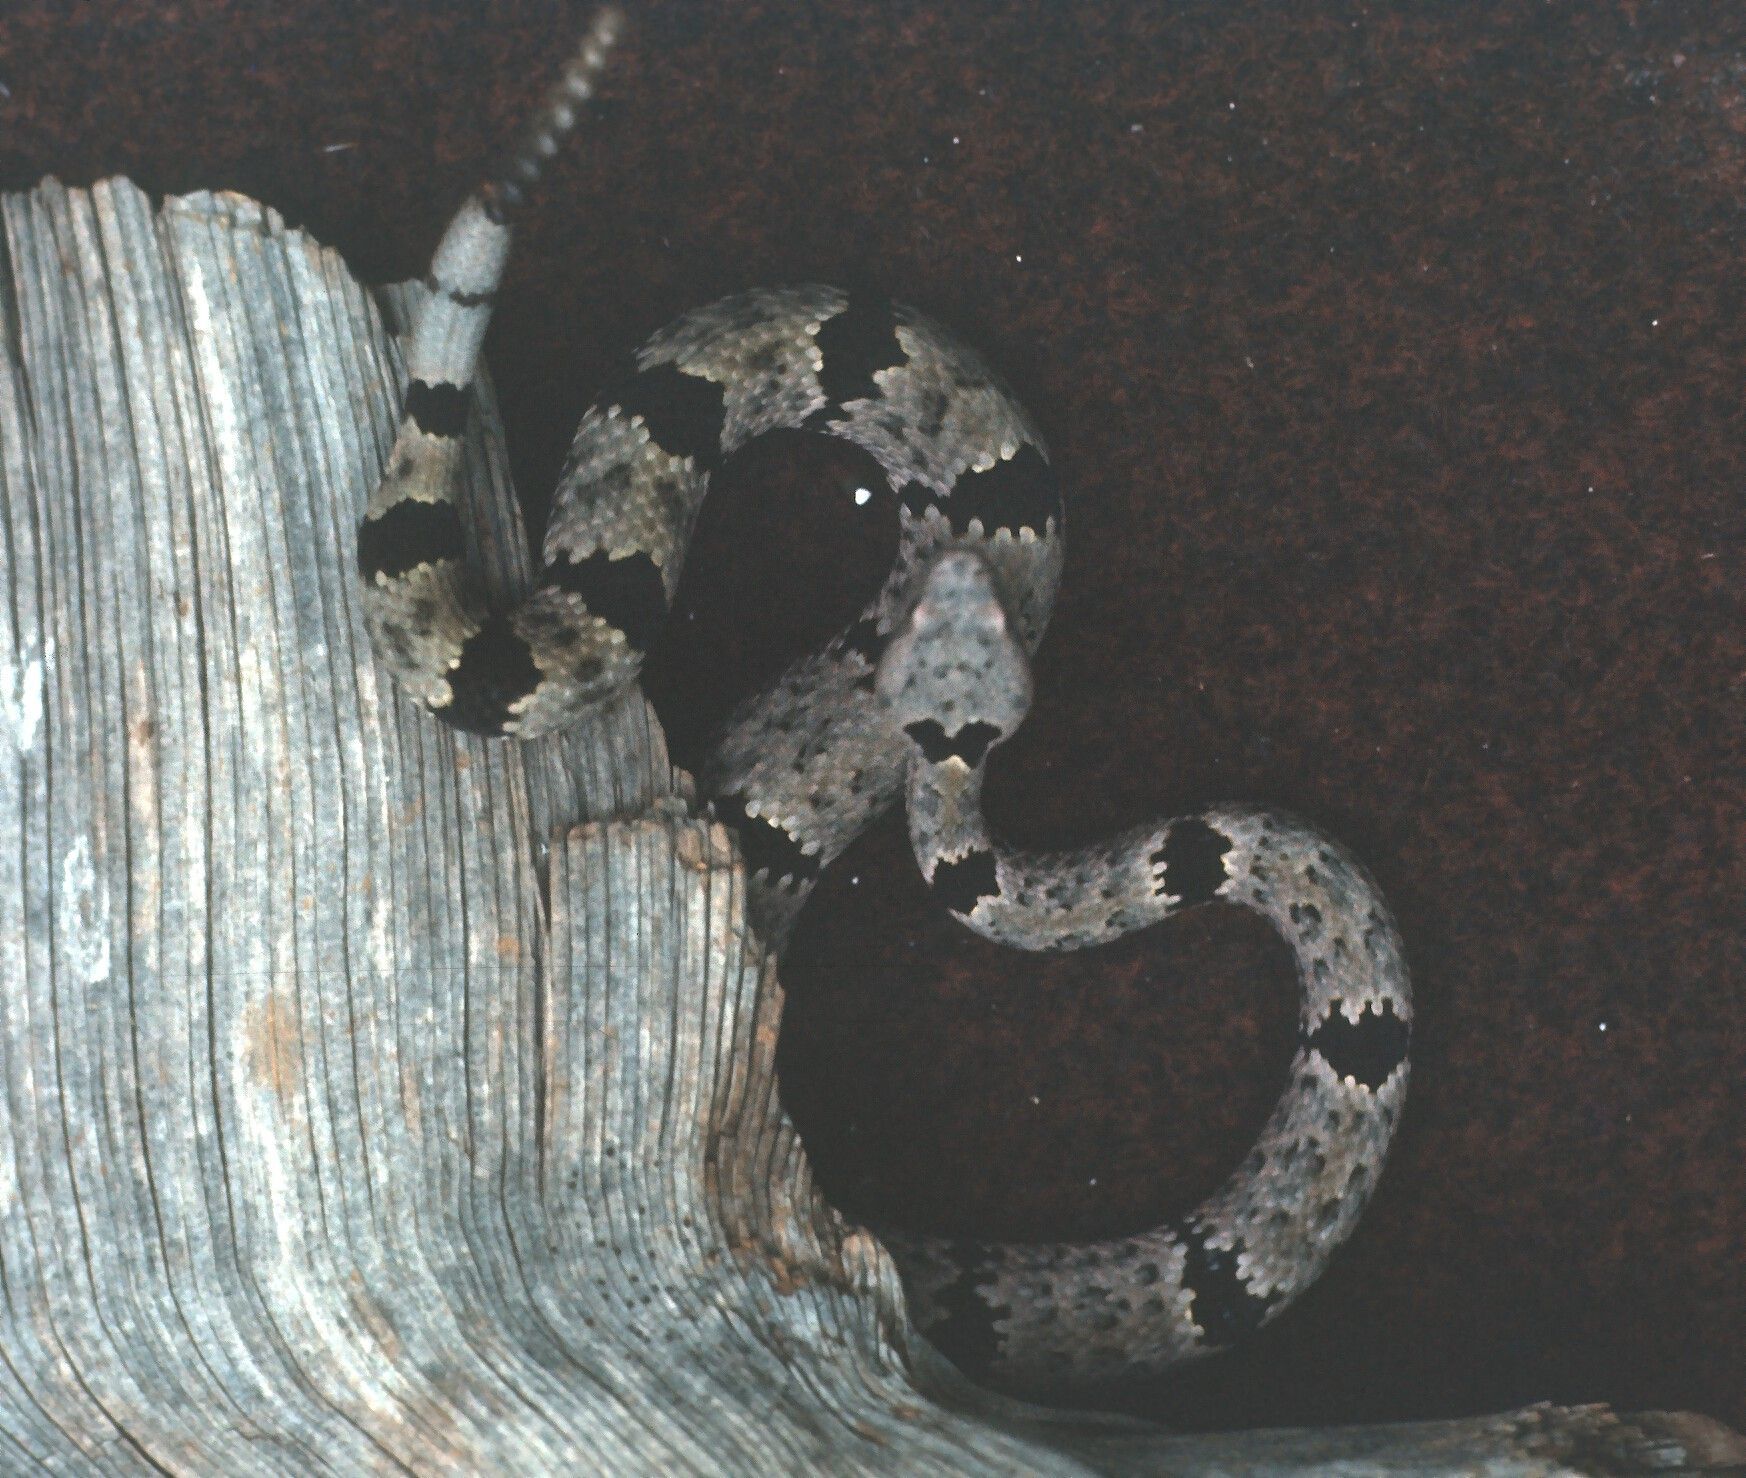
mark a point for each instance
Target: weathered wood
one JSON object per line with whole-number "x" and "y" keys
{"x": 378, "y": 1099}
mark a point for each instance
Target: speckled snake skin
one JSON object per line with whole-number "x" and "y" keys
{"x": 908, "y": 701}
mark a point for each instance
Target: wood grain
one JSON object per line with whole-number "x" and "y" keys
{"x": 377, "y": 1099}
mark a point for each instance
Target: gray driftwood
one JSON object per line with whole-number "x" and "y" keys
{"x": 376, "y": 1100}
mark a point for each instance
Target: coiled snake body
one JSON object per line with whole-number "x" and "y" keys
{"x": 908, "y": 701}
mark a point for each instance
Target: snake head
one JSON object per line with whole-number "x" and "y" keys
{"x": 953, "y": 675}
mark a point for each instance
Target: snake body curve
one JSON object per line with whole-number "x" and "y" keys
{"x": 907, "y": 702}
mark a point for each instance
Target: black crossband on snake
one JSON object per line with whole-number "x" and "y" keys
{"x": 908, "y": 702}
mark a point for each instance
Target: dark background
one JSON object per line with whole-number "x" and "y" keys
{"x": 1392, "y": 357}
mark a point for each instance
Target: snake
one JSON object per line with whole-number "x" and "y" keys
{"x": 906, "y": 704}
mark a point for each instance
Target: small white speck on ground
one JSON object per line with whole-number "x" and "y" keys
{"x": 863, "y": 496}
